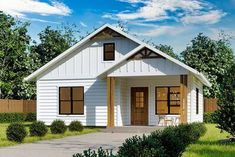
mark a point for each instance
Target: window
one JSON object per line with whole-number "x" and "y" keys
{"x": 71, "y": 100}
{"x": 167, "y": 100}
{"x": 197, "y": 100}
{"x": 139, "y": 99}
{"x": 109, "y": 51}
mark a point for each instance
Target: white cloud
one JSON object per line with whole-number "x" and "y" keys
{"x": 40, "y": 20}
{"x": 210, "y": 17}
{"x": 83, "y": 24}
{"x": 163, "y": 30}
{"x": 178, "y": 10}
{"x": 158, "y": 9}
{"x": 21, "y": 7}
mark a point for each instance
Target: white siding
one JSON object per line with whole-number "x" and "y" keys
{"x": 95, "y": 109}
{"x": 193, "y": 84}
{"x": 87, "y": 61}
{"x": 148, "y": 67}
{"x": 125, "y": 110}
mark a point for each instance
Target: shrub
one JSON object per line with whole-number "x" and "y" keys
{"x": 76, "y": 126}
{"x": 172, "y": 141}
{"x": 58, "y": 127}
{"x": 17, "y": 117}
{"x": 210, "y": 117}
{"x": 198, "y": 130}
{"x": 38, "y": 128}
{"x": 11, "y": 117}
{"x": 142, "y": 146}
{"x": 190, "y": 133}
{"x": 30, "y": 117}
{"x": 16, "y": 132}
{"x": 100, "y": 153}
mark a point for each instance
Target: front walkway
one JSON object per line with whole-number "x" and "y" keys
{"x": 67, "y": 146}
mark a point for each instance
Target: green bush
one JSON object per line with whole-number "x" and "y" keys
{"x": 11, "y": 117}
{"x": 100, "y": 153}
{"x": 17, "y": 117}
{"x": 76, "y": 126}
{"x": 170, "y": 142}
{"x": 58, "y": 127}
{"x": 198, "y": 130}
{"x": 16, "y": 132}
{"x": 210, "y": 117}
{"x": 38, "y": 128}
{"x": 142, "y": 146}
{"x": 176, "y": 139}
{"x": 30, "y": 117}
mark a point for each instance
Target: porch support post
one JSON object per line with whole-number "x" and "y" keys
{"x": 183, "y": 98}
{"x": 110, "y": 101}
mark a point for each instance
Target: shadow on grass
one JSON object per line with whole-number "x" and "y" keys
{"x": 209, "y": 152}
{"x": 215, "y": 143}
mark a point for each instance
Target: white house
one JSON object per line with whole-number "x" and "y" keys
{"x": 110, "y": 78}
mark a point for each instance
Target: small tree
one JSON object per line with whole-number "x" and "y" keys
{"x": 211, "y": 57}
{"x": 226, "y": 113}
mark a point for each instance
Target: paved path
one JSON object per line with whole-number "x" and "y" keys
{"x": 67, "y": 146}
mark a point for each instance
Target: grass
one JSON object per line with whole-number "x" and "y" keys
{"x": 30, "y": 139}
{"x": 210, "y": 145}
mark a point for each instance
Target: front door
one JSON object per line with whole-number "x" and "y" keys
{"x": 139, "y": 106}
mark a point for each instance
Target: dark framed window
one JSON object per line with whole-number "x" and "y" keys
{"x": 197, "y": 100}
{"x": 71, "y": 100}
{"x": 167, "y": 100}
{"x": 109, "y": 51}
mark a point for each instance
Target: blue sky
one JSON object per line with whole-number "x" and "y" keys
{"x": 172, "y": 22}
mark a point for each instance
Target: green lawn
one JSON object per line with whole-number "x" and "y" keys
{"x": 209, "y": 145}
{"x": 28, "y": 139}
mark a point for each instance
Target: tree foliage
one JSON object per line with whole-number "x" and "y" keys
{"x": 14, "y": 63}
{"x": 18, "y": 58}
{"x": 52, "y": 43}
{"x": 226, "y": 113}
{"x": 168, "y": 50}
{"x": 210, "y": 57}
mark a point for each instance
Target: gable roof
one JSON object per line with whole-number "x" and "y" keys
{"x": 142, "y": 45}
{"x": 74, "y": 47}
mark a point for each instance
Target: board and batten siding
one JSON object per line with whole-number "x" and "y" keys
{"x": 87, "y": 61}
{"x": 148, "y": 67}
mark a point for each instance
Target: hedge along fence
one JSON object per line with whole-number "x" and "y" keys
{"x": 17, "y": 117}
{"x": 21, "y": 106}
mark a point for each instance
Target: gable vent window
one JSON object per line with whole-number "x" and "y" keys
{"x": 109, "y": 51}
{"x": 71, "y": 100}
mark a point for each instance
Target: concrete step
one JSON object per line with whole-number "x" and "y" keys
{"x": 132, "y": 129}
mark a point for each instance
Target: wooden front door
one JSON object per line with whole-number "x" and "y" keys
{"x": 139, "y": 106}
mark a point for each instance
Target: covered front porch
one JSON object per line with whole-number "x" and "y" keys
{"x": 155, "y": 101}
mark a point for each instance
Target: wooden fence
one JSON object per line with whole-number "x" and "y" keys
{"x": 23, "y": 106}
{"x": 210, "y": 104}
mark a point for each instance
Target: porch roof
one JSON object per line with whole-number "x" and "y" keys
{"x": 179, "y": 69}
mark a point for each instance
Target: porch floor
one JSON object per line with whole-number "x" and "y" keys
{"x": 132, "y": 129}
